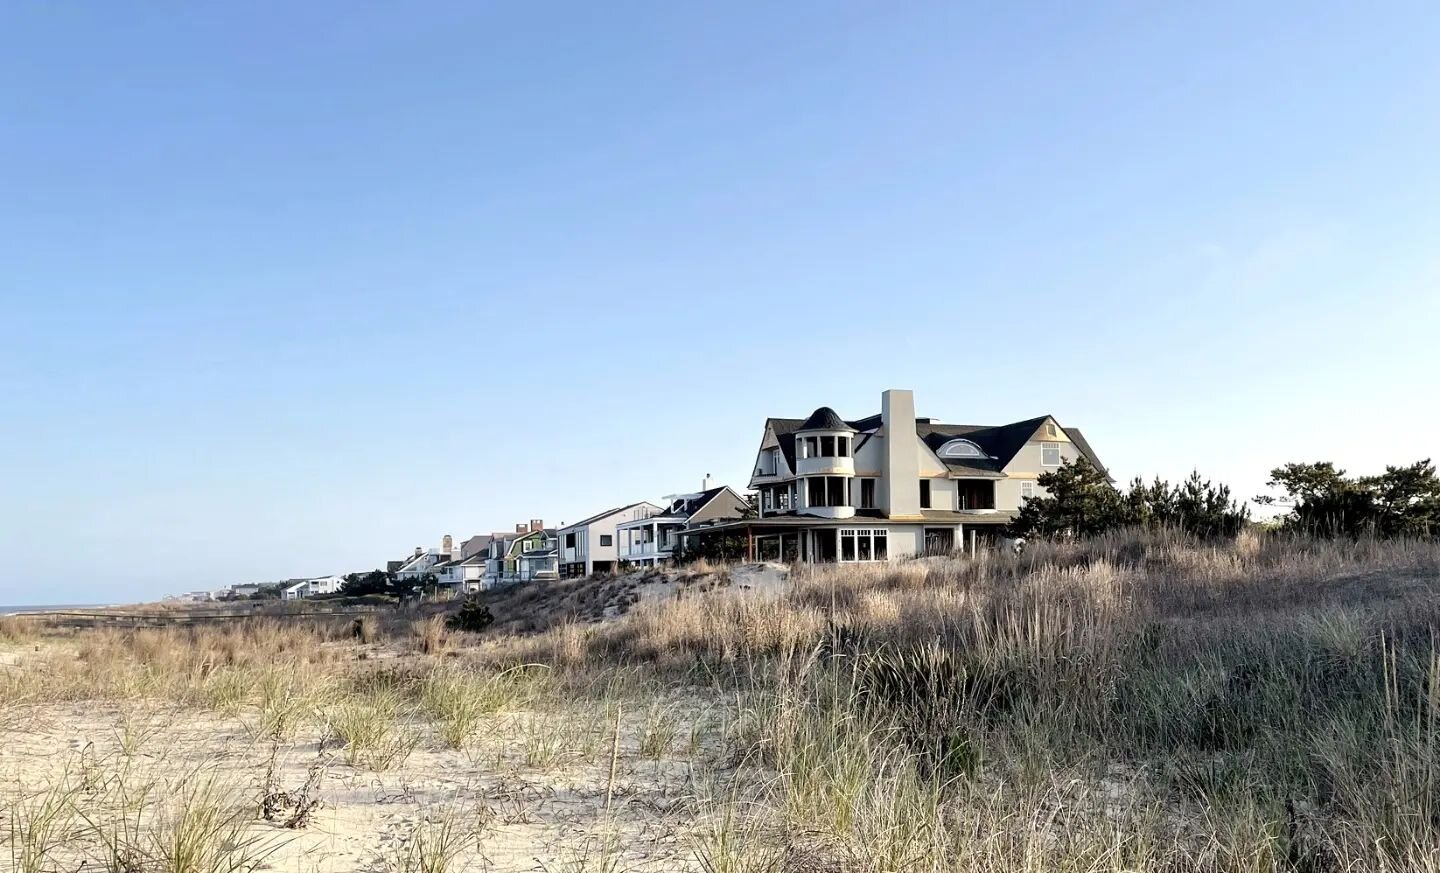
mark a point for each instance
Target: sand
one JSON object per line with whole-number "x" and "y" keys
{"x": 529, "y": 793}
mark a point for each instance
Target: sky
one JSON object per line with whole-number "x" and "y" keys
{"x": 289, "y": 289}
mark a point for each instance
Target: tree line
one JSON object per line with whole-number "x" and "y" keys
{"x": 1321, "y": 500}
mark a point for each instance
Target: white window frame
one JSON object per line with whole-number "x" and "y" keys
{"x": 869, "y": 533}
{"x": 1027, "y": 490}
{"x": 1045, "y": 447}
{"x": 960, "y": 442}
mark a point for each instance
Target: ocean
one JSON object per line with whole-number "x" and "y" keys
{"x": 49, "y": 607}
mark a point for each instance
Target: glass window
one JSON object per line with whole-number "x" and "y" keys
{"x": 816, "y": 486}
{"x": 607, "y": 540}
{"x": 924, "y": 493}
{"x": 1027, "y": 490}
{"x": 881, "y": 547}
{"x": 960, "y": 449}
{"x": 827, "y": 447}
{"x": 842, "y": 446}
{"x": 847, "y": 545}
{"x": 812, "y": 447}
{"x": 1050, "y": 454}
{"x": 864, "y": 552}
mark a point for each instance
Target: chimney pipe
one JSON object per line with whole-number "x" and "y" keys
{"x": 537, "y": 524}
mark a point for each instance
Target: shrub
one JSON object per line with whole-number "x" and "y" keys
{"x": 473, "y": 618}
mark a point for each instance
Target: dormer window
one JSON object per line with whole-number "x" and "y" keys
{"x": 1050, "y": 429}
{"x": 961, "y": 449}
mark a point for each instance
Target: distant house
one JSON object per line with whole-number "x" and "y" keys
{"x": 299, "y": 589}
{"x": 192, "y": 597}
{"x": 588, "y": 545}
{"x": 539, "y": 561}
{"x": 424, "y": 562}
{"x": 519, "y": 556}
{"x": 653, "y": 540}
{"x": 244, "y": 590}
{"x": 472, "y": 571}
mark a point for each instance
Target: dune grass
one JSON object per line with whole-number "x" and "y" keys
{"x": 1134, "y": 702}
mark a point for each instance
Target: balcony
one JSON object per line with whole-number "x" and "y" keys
{"x": 824, "y": 466}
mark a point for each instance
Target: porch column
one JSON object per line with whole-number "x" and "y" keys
{"x": 749, "y": 544}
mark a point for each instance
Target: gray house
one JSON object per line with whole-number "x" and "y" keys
{"x": 654, "y": 540}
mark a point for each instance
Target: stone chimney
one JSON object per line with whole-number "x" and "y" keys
{"x": 522, "y": 528}
{"x": 447, "y": 545}
{"x": 900, "y": 485}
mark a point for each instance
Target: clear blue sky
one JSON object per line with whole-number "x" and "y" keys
{"x": 289, "y": 289}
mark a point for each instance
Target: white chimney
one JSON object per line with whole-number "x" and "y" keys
{"x": 900, "y": 483}
{"x": 707, "y": 483}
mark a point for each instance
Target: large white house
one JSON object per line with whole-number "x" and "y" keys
{"x": 893, "y": 485}
{"x": 588, "y": 545}
{"x": 654, "y": 539}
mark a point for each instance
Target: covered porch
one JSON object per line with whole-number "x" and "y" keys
{"x": 809, "y": 539}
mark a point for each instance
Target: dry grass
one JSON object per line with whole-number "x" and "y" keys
{"x": 1133, "y": 702}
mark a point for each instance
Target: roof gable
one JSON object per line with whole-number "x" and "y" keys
{"x": 607, "y": 513}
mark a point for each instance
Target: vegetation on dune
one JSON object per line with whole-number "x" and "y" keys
{"x": 1135, "y": 700}
{"x": 1324, "y": 501}
{"x": 1080, "y": 501}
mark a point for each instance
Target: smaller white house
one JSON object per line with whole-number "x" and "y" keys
{"x": 192, "y": 597}
{"x": 299, "y": 589}
{"x": 588, "y": 546}
{"x": 426, "y": 562}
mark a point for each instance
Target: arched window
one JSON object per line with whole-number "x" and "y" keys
{"x": 961, "y": 449}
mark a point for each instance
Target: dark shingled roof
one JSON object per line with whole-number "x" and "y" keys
{"x": 825, "y": 418}
{"x": 1000, "y": 442}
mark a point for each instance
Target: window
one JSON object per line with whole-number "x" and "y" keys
{"x": 961, "y": 449}
{"x": 827, "y": 447}
{"x": 1049, "y": 454}
{"x": 842, "y": 446}
{"x": 924, "y": 493}
{"x": 606, "y": 540}
{"x": 863, "y": 544}
{"x": 1050, "y": 429}
{"x": 826, "y": 491}
{"x": 1027, "y": 490}
{"x": 570, "y": 541}
{"x": 867, "y": 493}
{"x": 812, "y": 447}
